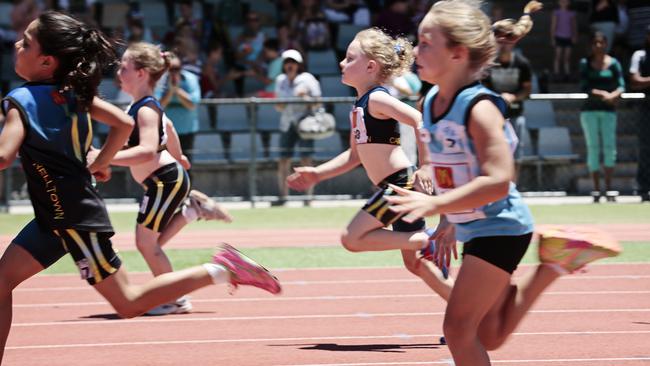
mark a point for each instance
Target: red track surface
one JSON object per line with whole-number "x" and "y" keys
{"x": 368, "y": 317}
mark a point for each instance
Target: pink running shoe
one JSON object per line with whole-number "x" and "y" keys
{"x": 207, "y": 208}
{"x": 245, "y": 271}
{"x": 572, "y": 248}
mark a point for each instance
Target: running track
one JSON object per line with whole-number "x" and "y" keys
{"x": 329, "y": 317}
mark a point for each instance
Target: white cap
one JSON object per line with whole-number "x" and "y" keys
{"x": 293, "y": 55}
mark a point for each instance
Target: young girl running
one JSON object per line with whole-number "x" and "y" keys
{"x": 471, "y": 154}
{"x": 373, "y": 58}
{"x": 164, "y": 210}
{"x": 49, "y": 123}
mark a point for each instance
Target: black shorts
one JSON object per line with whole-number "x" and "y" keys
{"x": 563, "y": 42}
{"x": 378, "y": 207}
{"x": 92, "y": 251}
{"x": 165, "y": 191}
{"x": 504, "y": 252}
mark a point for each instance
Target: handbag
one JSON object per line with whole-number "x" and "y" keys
{"x": 316, "y": 125}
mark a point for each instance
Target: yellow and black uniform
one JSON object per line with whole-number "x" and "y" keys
{"x": 378, "y": 207}
{"x": 367, "y": 129}
{"x": 168, "y": 186}
{"x": 70, "y": 214}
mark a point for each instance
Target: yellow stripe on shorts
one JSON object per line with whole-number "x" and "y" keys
{"x": 89, "y": 256}
{"x": 177, "y": 187}
{"x": 100, "y": 255}
{"x": 156, "y": 203}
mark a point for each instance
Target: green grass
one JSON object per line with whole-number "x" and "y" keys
{"x": 338, "y": 217}
{"x": 334, "y": 256}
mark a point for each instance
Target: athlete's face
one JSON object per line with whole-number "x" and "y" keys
{"x": 354, "y": 67}
{"x": 31, "y": 64}
{"x": 128, "y": 74}
{"x": 431, "y": 53}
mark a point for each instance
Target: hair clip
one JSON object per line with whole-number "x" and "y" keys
{"x": 398, "y": 49}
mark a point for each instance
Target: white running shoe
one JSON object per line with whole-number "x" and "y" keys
{"x": 181, "y": 306}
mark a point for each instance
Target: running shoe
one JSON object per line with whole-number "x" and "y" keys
{"x": 207, "y": 208}
{"x": 245, "y": 271}
{"x": 427, "y": 252}
{"x": 181, "y": 306}
{"x": 573, "y": 248}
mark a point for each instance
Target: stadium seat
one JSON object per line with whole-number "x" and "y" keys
{"x": 346, "y": 35}
{"x": 232, "y": 118}
{"x": 331, "y": 86}
{"x": 268, "y": 119}
{"x": 114, "y": 14}
{"x": 323, "y": 63}
{"x": 554, "y": 143}
{"x": 5, "y": 14}
{"x": 539, "y": 113}
{"x": 342, "y": 115}
{"x": 155, "y": 14}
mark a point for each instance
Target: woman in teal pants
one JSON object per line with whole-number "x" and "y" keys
{"x": 601, "y": 77}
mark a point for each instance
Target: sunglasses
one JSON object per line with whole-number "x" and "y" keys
{"x": 253, "y": 20}
{"x": 174, "y": 69}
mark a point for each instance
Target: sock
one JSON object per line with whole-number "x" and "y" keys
{"x": 189, "y": 213}
{"x": 218, "y": 273}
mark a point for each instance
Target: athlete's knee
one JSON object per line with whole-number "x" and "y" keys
{"x": 127, "y": 309}
{"x": 457, "y": 328}
{"x": 493, "y": 342}
{"x": 350, "y": 241}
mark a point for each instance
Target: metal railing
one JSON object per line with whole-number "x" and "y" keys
{"x": 253, "y": 118}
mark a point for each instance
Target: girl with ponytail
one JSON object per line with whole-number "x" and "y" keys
{"x": 471, "y": 145}
{"x": 371, "y": 60}
{"x": 48, "y": 121}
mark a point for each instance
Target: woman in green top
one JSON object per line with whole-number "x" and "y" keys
{"x": 601, "y": 77}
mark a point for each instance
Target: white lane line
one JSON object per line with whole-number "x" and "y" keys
{"x": 296, "y": 339}
{"x": 294, "y": 317}
{"x": 345, "y": 282}
{"x": 451, "y": 363}
{"x": 326, "y": 298}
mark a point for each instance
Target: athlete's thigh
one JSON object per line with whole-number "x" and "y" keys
{"x": 478, "y": 286}
{"x": 17, "y": 265}
{"x": 363, "y": 222}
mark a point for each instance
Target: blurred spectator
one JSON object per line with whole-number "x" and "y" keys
{"x": 512, "y": 78}
{"x": 286, "y": 38}
{"x": 639, "y": 15}
{"x": 230, "y": 11}
{"x": 601, "y": 77}
{"x": 23, "y": 13}
{"x": 179, "y": 94}
{"x": 248, "y": 49}
{"x": 293, "y": 82}
{"x": 347, "y": 11}
{"x": 212, "y": 85}
{"x": 271, "y": 69}
{"x": 134, "y": 30}
{"x": 186, "y": 45}
{"x": 285, "y": 10}
{"x": 640, "y": 81}
{"x": 312, "y": 27}
{"x": 564, "y": 34}
{"x": 212, "y": 80}
{"x": 395, "y": 19}
{"x": 420, "y": 9}
{"x": 186, "y": 10}
{"x": 604, "y": 18}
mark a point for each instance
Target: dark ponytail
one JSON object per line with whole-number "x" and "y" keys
{"x": 83, "y": 53}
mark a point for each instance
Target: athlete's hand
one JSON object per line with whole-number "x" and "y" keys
{"x": 423, "y": 179}
{"x": 414, "y": 205}
{"x": 445, "y": 238}
{"x": 103, "y": 175}
{"x": 91, "y": 155}
{"x": 303, "y": 178}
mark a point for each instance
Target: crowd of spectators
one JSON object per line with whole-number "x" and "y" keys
{"x": 233, "y": 48}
